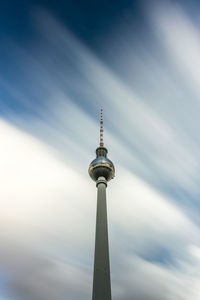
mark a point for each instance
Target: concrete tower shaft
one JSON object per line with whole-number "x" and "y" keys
{"x": 101, "y": 279}
{"x": 101, "y": 170}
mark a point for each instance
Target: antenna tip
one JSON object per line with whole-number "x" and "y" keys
{"x": 101, "y": 129}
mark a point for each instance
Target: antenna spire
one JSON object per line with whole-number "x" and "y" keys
{"x": 101, "y": 129}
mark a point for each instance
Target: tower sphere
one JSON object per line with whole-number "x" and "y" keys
{"x": 101, "y": 166}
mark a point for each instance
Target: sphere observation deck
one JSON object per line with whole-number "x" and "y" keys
{"x": 101, "y": 166}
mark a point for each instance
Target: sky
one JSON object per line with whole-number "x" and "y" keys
{"x": 60, "y": 62}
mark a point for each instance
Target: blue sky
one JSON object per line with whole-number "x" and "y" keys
{"x": 60, "y": 62}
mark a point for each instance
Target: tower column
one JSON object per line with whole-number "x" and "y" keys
{"x": 101, "y": 279}
{"x": 101, "y": 170}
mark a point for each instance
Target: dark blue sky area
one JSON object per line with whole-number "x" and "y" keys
{"x": 88, "y": 19}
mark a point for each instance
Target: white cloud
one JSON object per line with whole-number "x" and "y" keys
{"x": 181, "y": 37}
{"x": 47, "y": 207}
{"x": 39, "y": 191}
{"x": 48, "y": 214}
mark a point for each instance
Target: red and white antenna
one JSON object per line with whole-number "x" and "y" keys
{"x": 101, "y": 129}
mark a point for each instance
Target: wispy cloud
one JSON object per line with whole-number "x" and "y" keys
{"x": 49, "y": 130}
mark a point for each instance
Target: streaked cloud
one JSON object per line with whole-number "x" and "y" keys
{"x": 48, "y": 133}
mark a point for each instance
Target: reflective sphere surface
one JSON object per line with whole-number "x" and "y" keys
{"x": 101, "y": 166}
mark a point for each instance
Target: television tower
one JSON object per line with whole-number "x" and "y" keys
{"x": 101, "y": 170}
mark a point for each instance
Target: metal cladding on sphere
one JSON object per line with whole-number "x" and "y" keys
{"x": 101, "y": 167}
